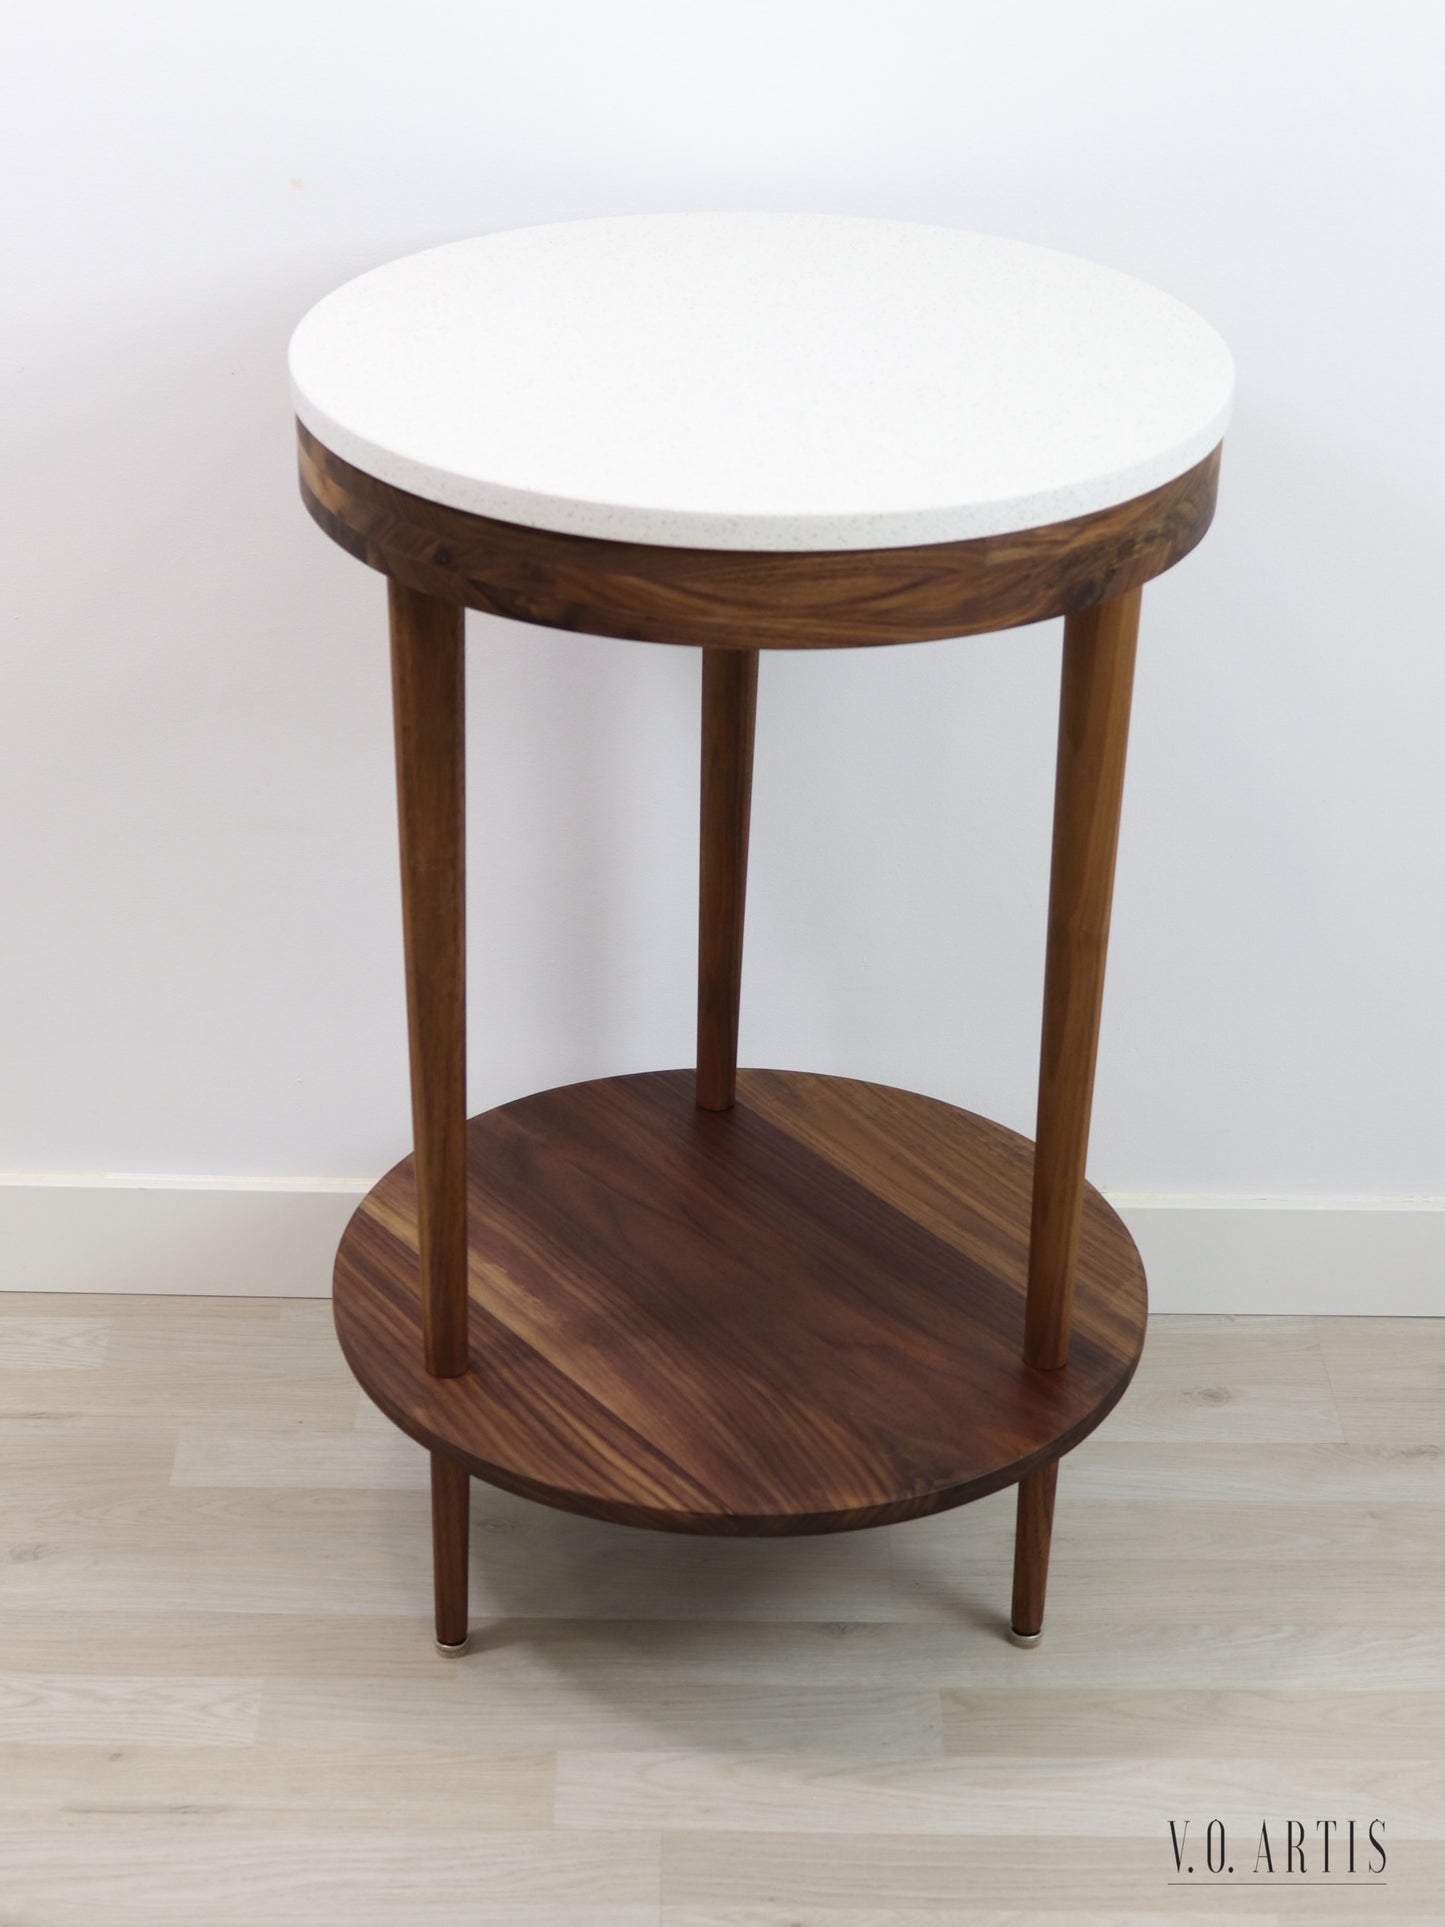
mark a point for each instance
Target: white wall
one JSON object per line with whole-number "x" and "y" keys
{"x": 201, "y": 951}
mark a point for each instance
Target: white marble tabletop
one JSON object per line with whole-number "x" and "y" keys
{"x": 761, "y": 381}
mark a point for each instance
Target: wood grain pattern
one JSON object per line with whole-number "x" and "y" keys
{"x": 1032, "y": 1532}
{"x": 959, "y": 1795}
{"x": 53, "y": 1343}
{"x": 801, "y": 1315}
{"x": 729, "y": 714}
{"x": 734, "y": 599}
{"x": 64, "y": 1709}
{"x": 143, "y": 1870}
{"x": 277, "y": 1788}
{"x": 1060, "y": 1722}
{"x": 428, "y": 712}
{"x": 1097, "y": 682}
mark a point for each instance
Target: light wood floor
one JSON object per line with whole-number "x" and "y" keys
{"x": 219, "y": 1701}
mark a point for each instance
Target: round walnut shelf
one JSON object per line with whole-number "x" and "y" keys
{"x": 804, "y": 1314}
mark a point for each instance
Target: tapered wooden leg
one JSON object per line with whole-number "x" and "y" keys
{"x": 428, "y": 714}
{"x": 450, "y": 1531}
{"x": 729, "y": 709}
{"x": 1098, "y": 679}
{"x": 1031, "y": 1553}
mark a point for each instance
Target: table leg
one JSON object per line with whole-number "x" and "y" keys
{"x": 729, "y": 710}
{"x": 450, "y": 1531}
{"x": 428, "y": 711}
{"x": 1097, "y": 684}
{"x": 1032, "y": 1535}
{"x": 1098, "y": 678}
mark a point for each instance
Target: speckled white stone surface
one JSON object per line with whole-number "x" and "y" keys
{"x": 761, "y": 381}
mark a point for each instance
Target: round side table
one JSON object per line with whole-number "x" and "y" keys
{"x": 723, "y": 1300}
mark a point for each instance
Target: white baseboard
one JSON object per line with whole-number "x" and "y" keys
{"x": 1382, "y": 1257}
{"x": 242, "y": 1238}
{"x": 204, "y": 1237}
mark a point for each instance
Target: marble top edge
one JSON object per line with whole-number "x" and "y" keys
{"x": 739, "y": 532}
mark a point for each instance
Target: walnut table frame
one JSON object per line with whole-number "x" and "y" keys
{"x": 744, "y": 1301}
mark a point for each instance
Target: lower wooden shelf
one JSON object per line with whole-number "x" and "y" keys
{"x": 804, "y": 1314}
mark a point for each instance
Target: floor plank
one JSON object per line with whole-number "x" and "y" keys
{"x": 187, "y": 1312}
{"x": 175, "y": 1870}
{"x": 475, "y": 1709}
{"x": 370, "y": 1460}
{"x": 80, "y": 1708}
{"x": 1158, "y": 1724}
{"x": 1229, "y": 1381}
{"x": 1091, "y": 1794}
{"x": 228, "y": 1398}
{"x": 1388, "y": 1376}
{"x": 53, "y": 1343}
{"x": 287, "y": 1788}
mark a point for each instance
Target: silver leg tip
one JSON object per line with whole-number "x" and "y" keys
{"x": 1025, "y": 1639}
{"x": 452, "y": 1652}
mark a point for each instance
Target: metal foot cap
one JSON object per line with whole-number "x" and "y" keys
{"x": 1025, "y": 1639}
{"x": 460, "y": 1646}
